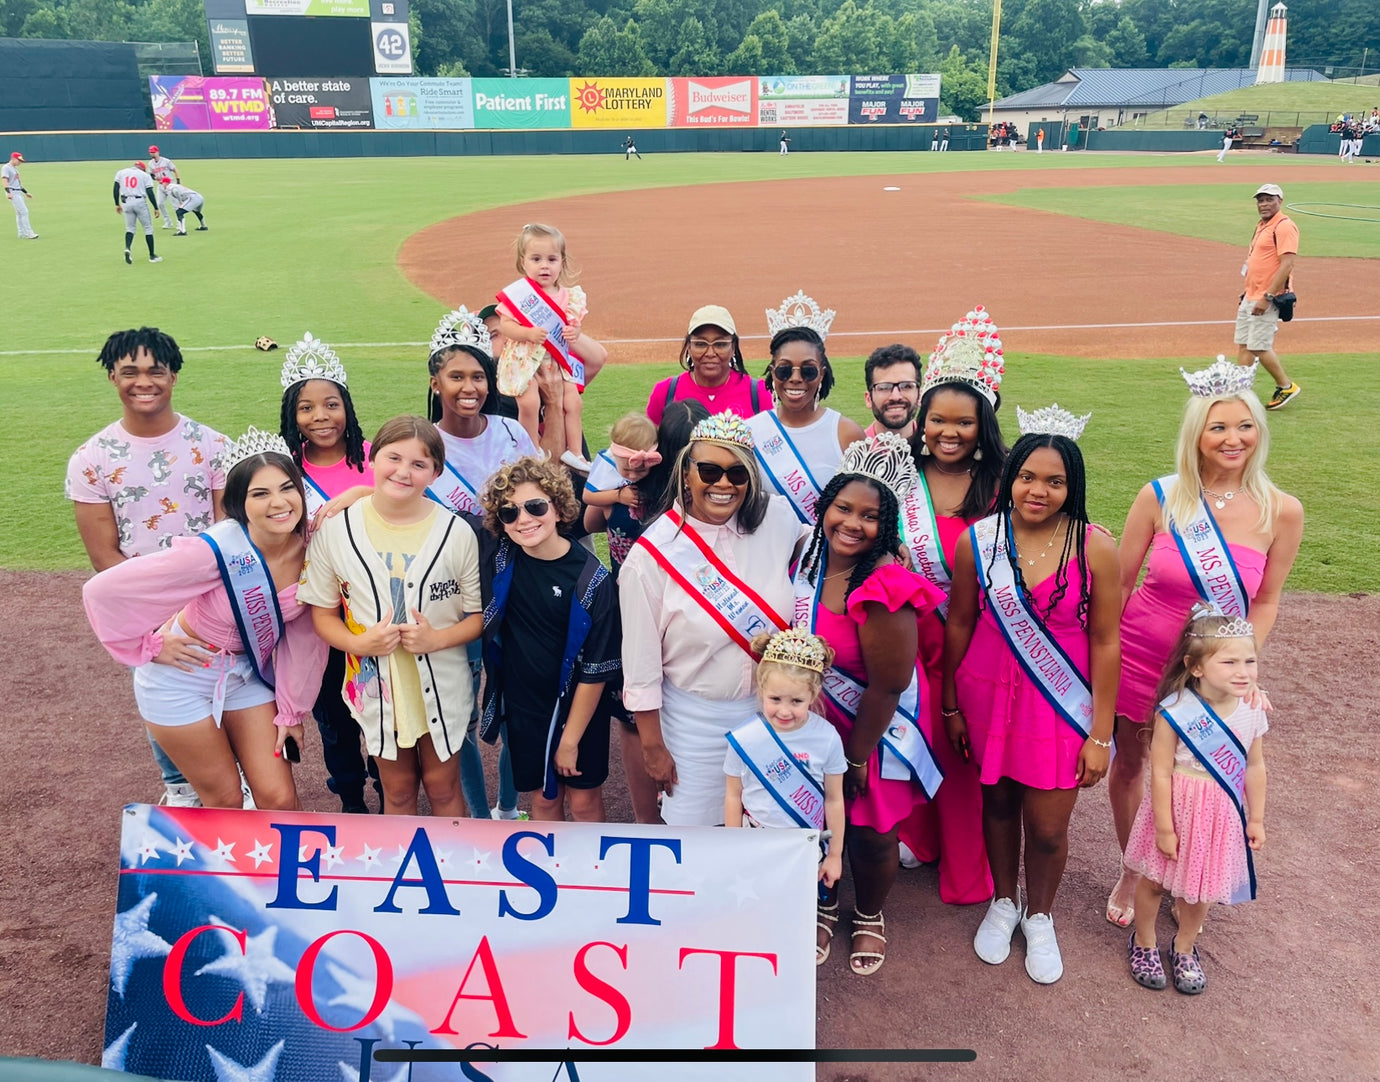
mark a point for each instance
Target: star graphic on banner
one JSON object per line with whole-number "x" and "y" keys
{"x": 358, "y": 994}
{"x": 261, "y": 853}
{"x": 443, "y": 859}
{"x": 224, "y": 850}
{"x": 255, "y": 968}
{"x": 227, "y": 1070}
{"x": 133, "y": 941}
{"x": 183, "y": 851}
{"x": 370, "y": 857}
{"x": 113, "y": 1058}
{"x": 351, "y": 1074}
{"x": 743, "y": 890}
{"x": 481, "y": 858}
{"x": 148, "y": 849}
{"x": 402, "y": 856}
{"x": 334, "y": 854}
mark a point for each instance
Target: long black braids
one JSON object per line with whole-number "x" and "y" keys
{"x": 888, "y": 530}
{"x": 1075, "y": 507}
{"x": 292, "y": 434}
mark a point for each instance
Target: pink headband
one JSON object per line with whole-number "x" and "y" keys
{"x": 636, "y": 459}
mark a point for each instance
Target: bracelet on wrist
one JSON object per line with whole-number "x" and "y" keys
{"x": 950, "y": 713}
{"x": 856, "y": 766}
{"x": 1101, "y": 743}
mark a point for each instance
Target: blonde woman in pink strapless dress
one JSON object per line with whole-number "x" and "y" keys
{"x": 1222, "y": 448}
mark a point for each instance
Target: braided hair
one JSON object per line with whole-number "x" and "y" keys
{"x": 161, "y": 347}
{"x": 810, "y": 337}
{"x": 888, "y": 530}
{"x": 437, "y": 361}
{"x": 292, "y": 434}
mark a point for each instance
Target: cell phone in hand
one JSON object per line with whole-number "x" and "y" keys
{"x": 291, "y": 751}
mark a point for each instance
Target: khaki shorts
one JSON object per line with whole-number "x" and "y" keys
{"x": 1256, "y": 332}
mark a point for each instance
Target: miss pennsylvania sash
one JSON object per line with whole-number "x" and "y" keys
{"x": 531, "y": 307}
{"x": 453, "y": 491}
{"x": 920, "y": 531}
{"x": 1220, "y": 753}
{"x": 1207, "y": 556}
{"x": 697, "y": 569}
{"x": 784, "y": 465}
{"x": 904, "y": 753}
{"x": 1043, "y": 659}
{"x": 253, "y": 597}
{"x": 774, "y": 765}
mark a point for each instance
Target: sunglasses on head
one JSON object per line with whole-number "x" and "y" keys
{"x": 711, "y": 472}
{"x": 808, "y": 372}
{"x": 508, "y": 513}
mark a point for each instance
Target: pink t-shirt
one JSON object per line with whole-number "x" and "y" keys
{"x": 340, "y": 477}
{"x": 735, "y": 396}
{"x": 159, "y": 487}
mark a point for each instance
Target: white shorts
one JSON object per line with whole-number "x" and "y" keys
{"x": 169, "y": 696}
{"x": 1256, "y": 332}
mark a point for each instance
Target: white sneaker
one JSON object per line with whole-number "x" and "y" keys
{"x": 576, "y": 462}
{"x": 1043, "y": 961}
{"x": 499, "y": 813}
{"x": 908, "y": 857}
{"x": 181, "y": 795}
{"x": 993, "y": 940}
{"x": 156, "y": 259}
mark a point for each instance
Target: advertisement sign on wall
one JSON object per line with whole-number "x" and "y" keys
{"x": 392, "y": 49}
{"x": 230, "y": 48}
{"x": 422, "y": 103}
{"x": 721, "y": 102}
{"x": 789, "y": 100}
{"x": 354, "y": 9}
{"x": 894, "y": 99}
{"x": 618, "y": 103}
{"x": 208, "y": 103}
{"x": 284, "y": 945}
{"x": 521, "y": 103}
{"x": 321, "y": 103}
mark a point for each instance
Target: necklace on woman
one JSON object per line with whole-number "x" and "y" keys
{"x": 839, "y": 574}
{"x": 1048, "y": 544}
{"x": 951, "y": 473}
{"x": 1222, "y": 500}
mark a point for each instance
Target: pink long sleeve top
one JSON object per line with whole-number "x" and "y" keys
{"x": 128, "y": 604}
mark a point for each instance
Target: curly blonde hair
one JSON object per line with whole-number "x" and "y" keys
{"x": 547, "y": 476}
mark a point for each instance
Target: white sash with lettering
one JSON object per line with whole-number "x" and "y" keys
{"x": 1043, "y": 659}
{"x": 904, "y": 752}
{"x": 452, "y": 490}
{"x": 604, "y": 475}
{"x": 689, "y": 561}
{"x": 1220, "y": 753}
{"x": 253, "y": 597}
{"x": 316, "y": 495}
{"x": 920, "y": 531}
{"x": 531, "y": 307}
{"x": 1206, "y": 555}
{"x": 784, "y": 465}
{"x": 773, "y": 764}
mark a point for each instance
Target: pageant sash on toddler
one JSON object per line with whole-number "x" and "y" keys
{"x": 453, "y": 491}
{"x": 604, "y": 475}
{"x": 784, "y": 465}
{"x": 920, "y": 531}
{"x": 1207, "y": 556}
{"x": 698, "y": 570}
{"x": 774, "y": 765}
{"x": 531, "y": 307}
{"x": 1221, "y": 754}
{"x": 1043, "y": 659}
{"x": 253, "y": 598}
{"x": 904, "y": 753}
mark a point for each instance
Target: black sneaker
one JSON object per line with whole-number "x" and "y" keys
{"x": 129, "y": 258}
{"x": 1283, "y": 395}
{"x": 202, "y": 228}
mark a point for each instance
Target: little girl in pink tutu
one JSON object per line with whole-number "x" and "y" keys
{"x": 1193, "y": 838}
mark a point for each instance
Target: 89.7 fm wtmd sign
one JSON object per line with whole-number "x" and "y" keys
{"x": 286, "y": 946}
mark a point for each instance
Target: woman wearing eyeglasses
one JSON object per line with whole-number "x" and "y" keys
{"x": 715, "y": 374}
{"x": 702, "y": 580}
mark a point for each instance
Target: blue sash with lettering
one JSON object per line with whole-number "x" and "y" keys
{"x": 253, "y": 597}
{"x": 604, "y": 475}
{"x": 774, "y": 765}
{"x": 1207, "y": 556}
{"x": 453, "y": 491}
{"x": 316, "y": 495}
{"x": 920, "y": 532}
{"x": 784, "y": 465}
{"x": 1038, "y": 654}
{"x": 1221, "y": 754}
{"x": 531, "y": 307}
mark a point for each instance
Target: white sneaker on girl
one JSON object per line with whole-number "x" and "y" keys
{"x": 993, "y": 940}
{"x": 1042, "y": 958}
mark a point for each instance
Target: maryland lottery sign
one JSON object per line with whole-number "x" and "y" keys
{"x": 274, "y": 946}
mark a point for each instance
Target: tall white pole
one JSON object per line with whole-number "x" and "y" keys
{"x": 992, "y": 62}
{"x": 512, "y": 50}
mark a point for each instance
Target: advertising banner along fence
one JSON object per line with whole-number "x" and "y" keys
{"x": 208, "y": 103}
{"x": 618, "y": 103}
{"x": 521, "y": 103}
{"x": 720, "y": 102}
{"x": 321, "y": 103}
{"x": 354, "y": 9}
{"x": 422, "y": 103}
{"x": 286, "y": 945}
{"x": 808, "y": 100}
{"x": 894, "y": 99}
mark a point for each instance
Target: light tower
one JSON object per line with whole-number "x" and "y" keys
{"x": 1271, "y": 69}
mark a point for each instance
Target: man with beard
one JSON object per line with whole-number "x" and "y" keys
{"x": 892, "y": 375}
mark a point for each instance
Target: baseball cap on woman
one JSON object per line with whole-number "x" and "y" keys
{"x": 715, "y": 315}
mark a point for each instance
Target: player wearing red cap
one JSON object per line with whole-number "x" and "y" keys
{"x": 160, "y": 167}
{"x": 133, "y": 198}
{"x": 16, "y": 193}
{"x": 184, "y": 201}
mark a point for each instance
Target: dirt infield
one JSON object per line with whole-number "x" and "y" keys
{"x": 913, "y": 259}
{"x": 1290, "y": 975}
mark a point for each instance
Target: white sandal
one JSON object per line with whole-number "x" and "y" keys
{"x": 826, "y": 919}
{"x": 866, "y": 963}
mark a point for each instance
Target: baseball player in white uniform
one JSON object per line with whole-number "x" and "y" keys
{"x": 133, "y": 198}
{"x": 16, "y": 194}
{"x": 160, "y": 167}
{"x": 184, "y": 200}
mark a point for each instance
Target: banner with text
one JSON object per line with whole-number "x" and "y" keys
{"x": 208, "y": 103}
{"x": 521, "y": 103}
{"x": 813, "y": 100}
{"x": 718, "y": 102}
{"x": 618, "y": 103}
{"x": 433, "y": 104}
{"x": 353, "y": 9}
{"x": 321, "y": 104}
{"x": 230, "y": 48}
{"x": 894, "y": 99}
{"x": 286, "y": 945}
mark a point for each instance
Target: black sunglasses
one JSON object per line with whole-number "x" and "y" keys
{"x": 508, "y": 513}
{"x": 710, "y": 472}
{"x": 808, "y": 372}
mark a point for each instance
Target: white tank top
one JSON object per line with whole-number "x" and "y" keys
{"x": 817, "y": 443}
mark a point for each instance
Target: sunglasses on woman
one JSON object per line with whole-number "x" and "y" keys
{"x": 508, "y": 513}
{"x": 711, "y": 472}
{"x": 808, "y": 372}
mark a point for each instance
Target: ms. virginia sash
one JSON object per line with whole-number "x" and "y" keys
{"x": 1221, "y": 754}
{"x": 253, "y": 598}
{"x": 1043, "y": 659}
{"x": 531, "y": 307}
{"x": 774, "y": 765}
{"x": 453, "y": 491}
{"x": 920, "y": 531}
{"x": 1207, "y": 556}
{"x": 697, "y": 569}
{"x": 784, "y": 465}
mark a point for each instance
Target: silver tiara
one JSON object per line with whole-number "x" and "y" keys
{"x": 1051, "y": 421}
{"x": 1235, "y": 628}
{"x": 461, "y": 328}
{"x": 254, "y": 442}
{"x": 886, "y": 458}
{"x": 1222, "y": 377}
{"x": 311, "y": 358}
{"x": 970, "y": 354}
{"x": 800, "y": 311}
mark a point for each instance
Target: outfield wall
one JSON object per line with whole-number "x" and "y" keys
{"x": 1319, "y": 139}
{"x": 1171, "y": 142}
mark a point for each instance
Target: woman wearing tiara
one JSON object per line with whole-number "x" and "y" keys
{"x": 1216, "y": 530}
{"x": 799, "y": 442}
{"x": 235, "y": 586}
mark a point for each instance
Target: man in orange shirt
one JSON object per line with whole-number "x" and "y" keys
{"x": 1269, "y": 264}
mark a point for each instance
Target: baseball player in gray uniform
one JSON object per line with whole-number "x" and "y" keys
{"x": 183, "y": 200}
{"x": 16, "y": 194}
{"x": 160, "y": 167}
{"x": 133, "y": 198}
